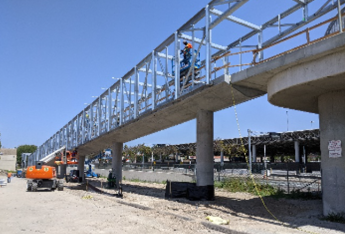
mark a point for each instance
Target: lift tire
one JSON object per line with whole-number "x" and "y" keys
{"x": 60, "y": 187}
{"x": 28, "y": 187}
{"x": 34, "y": 187}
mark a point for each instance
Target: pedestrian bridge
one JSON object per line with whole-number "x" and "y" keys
{"x": 152, "y": 96}
{"x": 148, "y": 98}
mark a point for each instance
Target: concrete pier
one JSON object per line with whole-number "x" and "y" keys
{"x": 332, "y": 127}
{"x": 62, "y": 170}
{"x": 204, "y": 148}
{"x": 117, "y": 161}
{"x": 81, "y": 163}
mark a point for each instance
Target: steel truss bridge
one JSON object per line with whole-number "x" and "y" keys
{"x": 153, "y": 90}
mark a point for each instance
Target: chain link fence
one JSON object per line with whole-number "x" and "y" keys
{"x": 287, "y": 177}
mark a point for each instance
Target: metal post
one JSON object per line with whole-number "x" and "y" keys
{"x": 240, "y": 57}
{"x": 265, "y": 160}
{"x": 177, "y": 66}
{"x": 91, "y": 121}
{"x": 152, "y": 160}
{"x": 208, "y": 45}
{"x": 82, "y": 129}
{"x": 122, "y": 101}
{"x": 78, "y": 132}
{"x": 143, "y": 161}
{"x": 99, "y": 114}
{"x": 287, "y": 178}
{"x": 67, "y": 137}
{"x": 287, "y": 121}
{"x": 136, "y": 92}
{"x": 166, "y": 74}
{"x": 305, "y": 12}
{"x": 260, "y": 39}
{"x": 250, "y": 153}
{"x": 279, "y": 24}
{"x": 339, "y": 18}
{"x": 154, "y": 79}
{"x": 110, "y": 98}
{"x": 304, "y": 160}
{"x": 193, "y": 34}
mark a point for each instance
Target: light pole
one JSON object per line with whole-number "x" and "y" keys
{"x": 311, "y": 124}
{"x": 250, "y": 153}
{"x": 287, "y": 121}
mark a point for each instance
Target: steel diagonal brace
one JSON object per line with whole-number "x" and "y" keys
{"x": 265, "y": 25}
{"x": 227, "y": 13}
{"x": 236, "y": 20}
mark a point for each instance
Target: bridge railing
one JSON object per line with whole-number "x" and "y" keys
{"x": 156, "y": 79}
{"x": 309, "y": 39}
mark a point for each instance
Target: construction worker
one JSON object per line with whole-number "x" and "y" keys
{"x": 9, "y": 174}
{"x": 186, "y": 52}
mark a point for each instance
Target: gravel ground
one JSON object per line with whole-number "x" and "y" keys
{"x": 143, "y": 209}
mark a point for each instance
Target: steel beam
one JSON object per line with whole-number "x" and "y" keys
{"x": 227, "y": 13}
{"x": 236, "y": 20}
{"x": 198, "y": 40}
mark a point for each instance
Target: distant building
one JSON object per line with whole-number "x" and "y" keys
{"x": 8, "y": 159}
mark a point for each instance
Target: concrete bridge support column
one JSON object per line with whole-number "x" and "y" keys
{"x": 204, "y": 148}
{"x": 117, "y": 161}
{"x": 62, "y": 170}
{"x": 81, "y": 163}
{"x": 332, "y": 127}
{"x": 296, "y": 143}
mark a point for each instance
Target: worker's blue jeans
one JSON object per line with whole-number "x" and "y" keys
{"x": 8, "y": 179}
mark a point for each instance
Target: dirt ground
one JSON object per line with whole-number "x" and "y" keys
{"x": 143, "y": 209}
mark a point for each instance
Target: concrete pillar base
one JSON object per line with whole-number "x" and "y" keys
{"x": 332, "y": 127}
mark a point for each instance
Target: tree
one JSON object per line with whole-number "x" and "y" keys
{"x": 24, "y": 149}
{"x": 129, "y": 152}
{"x": 219, "y": 146}
{"x": 144, "y": 151}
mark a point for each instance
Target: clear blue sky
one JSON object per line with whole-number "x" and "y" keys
{"x": 55, "y": 55}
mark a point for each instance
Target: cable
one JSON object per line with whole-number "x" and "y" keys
{"x": 250, "y": 173}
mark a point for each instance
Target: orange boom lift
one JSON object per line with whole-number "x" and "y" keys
{"x": 42, "y": 176}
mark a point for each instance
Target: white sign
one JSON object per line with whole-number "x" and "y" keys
{"x": 334, "y": 148}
